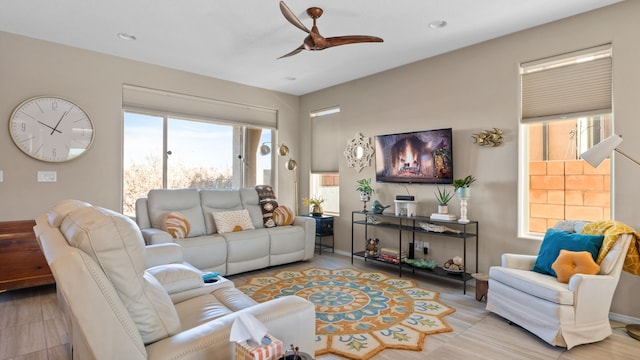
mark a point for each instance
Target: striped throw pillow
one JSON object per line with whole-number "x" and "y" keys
{"x": 177, "y": 225}
{"x": 283, "y": 216}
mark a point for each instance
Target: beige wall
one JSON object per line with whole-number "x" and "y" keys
{"x": 476, "y": 88}
{"x": 470, "y": 90}
{"x": 31, "y": 67}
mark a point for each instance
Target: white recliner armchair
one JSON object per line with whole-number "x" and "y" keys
{"x": 561, "y": 314}
{"x": 122, "y": 300}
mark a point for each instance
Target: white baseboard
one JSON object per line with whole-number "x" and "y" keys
{"x": 624, "y": 318}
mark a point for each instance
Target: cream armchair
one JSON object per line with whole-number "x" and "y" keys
{"x": 563, "y": 315}
{"x": 123, "y": 301}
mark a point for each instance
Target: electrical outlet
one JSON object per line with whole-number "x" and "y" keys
{"x": 417, "y": 245}
{"x": 47, "y": 176}
{"x": 1, "y": 175}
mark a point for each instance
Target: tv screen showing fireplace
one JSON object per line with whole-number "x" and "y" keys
{"x": 423, "y": 157}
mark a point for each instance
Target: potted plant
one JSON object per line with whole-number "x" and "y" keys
{"x": 315, "y": 202}
{"x": 365, "y": 189}
{"x": 461, "y": 186}
{"x": 443, "y": 196}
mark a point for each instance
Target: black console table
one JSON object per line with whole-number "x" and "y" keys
{"x": 411, "y": 225}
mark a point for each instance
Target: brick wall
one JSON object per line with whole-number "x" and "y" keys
{"x": 570, "y": 189}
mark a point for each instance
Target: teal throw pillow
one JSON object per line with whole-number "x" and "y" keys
{"x": 556, "y": 240}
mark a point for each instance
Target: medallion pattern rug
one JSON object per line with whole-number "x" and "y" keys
{"x": 359, "y": 314}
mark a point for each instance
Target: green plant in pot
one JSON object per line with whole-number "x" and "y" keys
{"x": 461, "y": 186}
{"x": 463, "y": 192}
{"x": 443, "y": 196}
{"x": 365, "y": 189}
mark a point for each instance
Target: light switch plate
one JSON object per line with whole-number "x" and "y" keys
{"x": 47, "y": 176}
{"x": 1, "y": 175}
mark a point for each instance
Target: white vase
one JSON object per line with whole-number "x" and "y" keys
{"x": 463, "y": 194}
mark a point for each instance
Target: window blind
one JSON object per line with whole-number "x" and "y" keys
{"x": 572, "y": 85}
{"x": 325, "y": 142}
{"x": 196, "y": 107}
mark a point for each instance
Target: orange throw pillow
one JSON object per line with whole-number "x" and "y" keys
{"x": 572, "y": 262}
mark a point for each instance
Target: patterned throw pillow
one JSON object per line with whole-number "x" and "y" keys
{"x": 232, "y": 221}
{"x": 268, "y": 204}
{"x": 283, "y": 216}
{"x": 177, "y": 225}
{"x": 267, "y": 207}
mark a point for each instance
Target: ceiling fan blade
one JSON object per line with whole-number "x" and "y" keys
{"x": 351, "y": 39}
{"x": 300, "y": 48}
{"x": 288, "y": 14}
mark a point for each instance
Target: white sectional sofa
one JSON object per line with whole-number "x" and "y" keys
{"x": 229, "y": 253}
{"x": 118, "y": 304}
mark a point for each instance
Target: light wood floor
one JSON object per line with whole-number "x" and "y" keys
{"x": 32, "y": 326}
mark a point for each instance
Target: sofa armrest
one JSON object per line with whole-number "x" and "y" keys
{"x": 309, "y": 226}
{"x": 519, "y": 261}
{"x": 153, "y": 236}
{"x": 289, "y": 318}
{"x": 593, "y": 295}
{"x": 161, "y": 254}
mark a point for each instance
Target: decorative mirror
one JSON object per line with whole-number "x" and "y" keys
{"x": 359, "y": 152}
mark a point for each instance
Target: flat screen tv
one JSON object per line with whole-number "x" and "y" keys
{"x": 420, "y": 157}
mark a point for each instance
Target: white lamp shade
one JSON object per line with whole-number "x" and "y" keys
{"x": 601, "y": 151}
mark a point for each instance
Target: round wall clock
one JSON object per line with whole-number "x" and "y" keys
{"x": 51, "y": 129}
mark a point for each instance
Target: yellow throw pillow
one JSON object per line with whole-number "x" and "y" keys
{"x": 177, "y": 225}
{"x": 569, "y": 263}
{"x": 232, "y": 221}
{"x": 283, "y": 216}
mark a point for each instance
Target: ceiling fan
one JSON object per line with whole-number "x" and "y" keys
{"x": 315, "y": 41}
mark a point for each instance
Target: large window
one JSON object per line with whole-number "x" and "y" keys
{"x": 566, "y": 109}
{"x": 326, "y": 150}
{"x": 162, "y": 151}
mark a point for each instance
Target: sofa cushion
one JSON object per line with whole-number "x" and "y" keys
{"x": 232, "y": 221}
{"x": 283, "y": 216}
{"x": 186, "y": 201}
{"x": 216, "y": 201}
{"x": 569, "y": 263}
{"x": 61, "y": 209}
{"x": 177, "y": 225}
{"x": 556, "y": 240}
{"x": 251, "y": 202}
{"x": 540, "y": 285}
{"x": 115, "y": 243}
{"x": 177, "y": 277}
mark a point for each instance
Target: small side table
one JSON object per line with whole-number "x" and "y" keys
{"x": 482, "y": 285}
{"x": 324, "y": 228}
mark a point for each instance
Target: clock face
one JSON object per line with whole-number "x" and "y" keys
{"x": 51, "y": 129}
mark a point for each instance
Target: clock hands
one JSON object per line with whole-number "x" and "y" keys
{"x": 59, "y": 121}
{"x": 50, "y": 127}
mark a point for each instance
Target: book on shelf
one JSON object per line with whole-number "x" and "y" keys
{"x": 447, "y": 217}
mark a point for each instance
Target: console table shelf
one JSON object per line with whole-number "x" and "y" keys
{"x": 410, "y": 224}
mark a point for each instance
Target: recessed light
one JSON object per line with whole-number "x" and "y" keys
{"x": 125, "y": 36}
{"x": 291, "y": 78}
{"x": 437, "y": 24}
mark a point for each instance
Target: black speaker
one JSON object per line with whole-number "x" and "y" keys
{"x": 411, "y": 254}
{"x": 405, "y": 197}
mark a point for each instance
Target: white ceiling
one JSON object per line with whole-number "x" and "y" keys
{"x": 240, "y": 40}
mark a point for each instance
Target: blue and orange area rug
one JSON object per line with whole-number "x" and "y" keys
{"x": 359, "y": 314}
